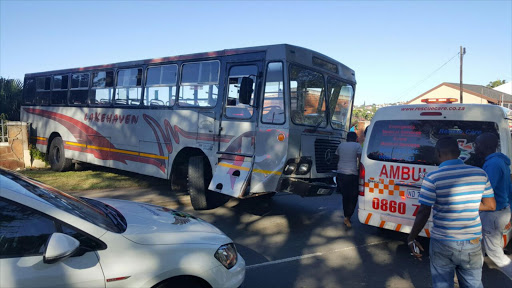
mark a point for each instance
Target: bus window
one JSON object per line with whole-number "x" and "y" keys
{"x": 43, "y": 90}
{"x": 340, "y": 101}
{"x": 199, "y": 84}
{"x": 235, "y": 109}
{"x": 29, "y": 91}
{"x": 129, "y": 87}
{"x": 307, "y": 97}
{"x": 102, "y": 88}
{"x": 60, "y": 90}
{"x": 273, "y": 101}
{"x": 161, "y": 86}
{"x": 79, "y": 88}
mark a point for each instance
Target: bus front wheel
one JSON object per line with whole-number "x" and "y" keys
{"x": 198, "y": 181}
{"x": 199, "y": 177}
{"x": 56, "y": 157}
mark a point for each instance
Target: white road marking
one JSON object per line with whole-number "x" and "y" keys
{"x": 310, "y": 255}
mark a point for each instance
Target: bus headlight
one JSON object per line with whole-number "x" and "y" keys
{"x": 290, "y": 168}
{"x": 227, "y": 256}
{"x": 305, "y": 164}
{"x": 303, "y": 168}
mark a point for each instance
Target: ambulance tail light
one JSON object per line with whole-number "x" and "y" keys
{"x": 362, "y": 176}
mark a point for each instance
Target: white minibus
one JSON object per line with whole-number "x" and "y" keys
{"x": 399, "y": 151}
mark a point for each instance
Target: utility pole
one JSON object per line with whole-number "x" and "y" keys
{"x": 462, "y": 52}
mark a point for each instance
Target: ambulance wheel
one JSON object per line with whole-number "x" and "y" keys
{"x": 58, "y": 161}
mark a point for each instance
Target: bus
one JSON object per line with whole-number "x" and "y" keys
{"x": 237, "y": 122}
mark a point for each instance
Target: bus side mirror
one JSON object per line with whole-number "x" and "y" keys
{"x": 246, "y": 90}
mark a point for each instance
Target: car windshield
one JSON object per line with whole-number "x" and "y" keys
{"x": 413, "y": 141}
{"x": 85, "y": 210}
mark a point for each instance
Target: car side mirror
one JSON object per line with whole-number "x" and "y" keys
{"x": 246, "y": 90}
{"x": 59, "y": 247}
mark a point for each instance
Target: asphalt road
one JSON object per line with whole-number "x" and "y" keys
{"x": 290, "y": 241}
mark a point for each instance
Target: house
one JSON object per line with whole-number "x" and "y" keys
{"x": 476, "y": 94}
{"x": 505, "y": 88}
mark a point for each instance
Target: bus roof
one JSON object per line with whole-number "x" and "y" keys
{"x": 277, "y": 51}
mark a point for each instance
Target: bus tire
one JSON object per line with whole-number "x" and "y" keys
{"x": 198, "y": 181}
{"x": 56, "y": 156}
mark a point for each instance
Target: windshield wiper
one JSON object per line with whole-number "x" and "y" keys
{"x": 318, "y": 125}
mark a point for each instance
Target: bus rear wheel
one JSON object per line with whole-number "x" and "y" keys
{"x": 58, "y": 161}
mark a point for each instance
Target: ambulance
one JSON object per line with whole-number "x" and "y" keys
{"x": 399, "y": 151}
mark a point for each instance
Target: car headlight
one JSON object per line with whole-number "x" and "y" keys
{"x": 227, "y": 256}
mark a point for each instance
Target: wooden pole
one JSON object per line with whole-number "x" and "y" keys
{"x": 462, "y": 52}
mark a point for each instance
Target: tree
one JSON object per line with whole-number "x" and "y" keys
{"x": 10, "y": 98}
{"x": 494, "y": 84}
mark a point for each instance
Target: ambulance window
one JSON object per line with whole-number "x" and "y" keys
{"x": 413, "y": 141}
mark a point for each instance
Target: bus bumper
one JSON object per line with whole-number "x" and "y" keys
{"x": 307, "y": 187}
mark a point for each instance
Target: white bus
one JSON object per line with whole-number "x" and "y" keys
{"x": 240, "y": 122}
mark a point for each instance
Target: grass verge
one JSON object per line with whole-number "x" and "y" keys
{"x": 93, "y": 178}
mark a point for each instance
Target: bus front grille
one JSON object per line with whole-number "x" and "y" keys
{"x": 326, "y": 159}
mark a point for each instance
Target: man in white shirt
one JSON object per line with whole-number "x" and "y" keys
{"x": 347, "y": 178}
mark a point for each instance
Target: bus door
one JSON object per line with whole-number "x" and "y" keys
{"x": 236, "y": 138}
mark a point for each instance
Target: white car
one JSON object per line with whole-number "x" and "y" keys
{"x": 51, "y": 239}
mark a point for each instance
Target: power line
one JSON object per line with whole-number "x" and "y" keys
{"x": 421, "y": 81}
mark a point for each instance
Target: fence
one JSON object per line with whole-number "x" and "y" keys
{"x": 3, "y": 131}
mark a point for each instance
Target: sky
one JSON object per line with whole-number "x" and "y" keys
{"x": 398, "y": 49}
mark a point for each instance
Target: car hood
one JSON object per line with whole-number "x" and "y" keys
{"x": 154, "y": 225}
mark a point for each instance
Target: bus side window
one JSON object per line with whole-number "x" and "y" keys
{"x": 102, "y": 88}
{"x": 29, "y": 91}
{"x": 235, "y": 109}
{"x": 79, "y": 89}
{"x": 43, "y": 93}
{"x": 273, "y": 101}
{"x": 60, "y": 90}
{"x": 199, "y": 84}
{"x": 129, "y": 87}
{"x": 161, "y": 86}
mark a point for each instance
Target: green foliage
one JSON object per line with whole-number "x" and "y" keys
{"x": 10, "y": 98}
{"x": 494, "y": 84}
{"x": 36, "y": 154}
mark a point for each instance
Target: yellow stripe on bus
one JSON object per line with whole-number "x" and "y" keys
{"x": 41, "y": 138}
{"x": 248, "y": 169}
{"x": 76, "y": 144}
{"x": 118, "y": 151}
{"x": 125, "y": 152}
{"x": 153, "y": 156}
{"x": 233, "y": 166}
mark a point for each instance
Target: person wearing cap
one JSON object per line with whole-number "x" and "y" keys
{"x": 497, "y": 167}
{"x": 456, "y": 192}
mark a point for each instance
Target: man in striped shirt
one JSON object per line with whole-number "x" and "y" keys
{"x": 456, "y": 192}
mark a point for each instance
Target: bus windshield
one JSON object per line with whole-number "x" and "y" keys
{"x": 307, "y": 97}
{"x": 341, "y": 96}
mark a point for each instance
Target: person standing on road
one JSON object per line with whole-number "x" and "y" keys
{"x": 497, "y": 167}
{"x": 456, "y": 192}
{"x": 347, "y": 178}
